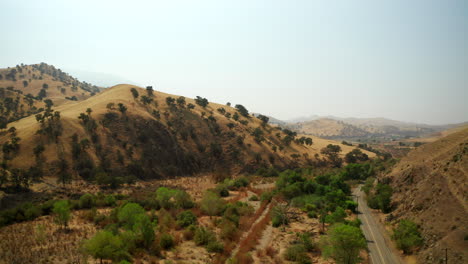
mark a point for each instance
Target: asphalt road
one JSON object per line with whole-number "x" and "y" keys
{"x": 379, "y": 251}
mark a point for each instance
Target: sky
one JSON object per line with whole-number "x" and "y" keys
{"x": 399, "y": 59}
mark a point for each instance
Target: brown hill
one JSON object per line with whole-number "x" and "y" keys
{"x": 329, "y": 128}
{"x": 155, "y": 136}
{"x": 43, "y": 81}
{"x": 430, "y": 187}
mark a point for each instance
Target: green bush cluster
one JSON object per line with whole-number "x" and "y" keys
{"x": 381, "y": 198}
{"x": 407, "y": 236}
{"x": 186, "y": 218}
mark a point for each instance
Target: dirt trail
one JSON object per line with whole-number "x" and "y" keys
{"x": 264, "y": 214}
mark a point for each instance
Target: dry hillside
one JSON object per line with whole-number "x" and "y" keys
{"x": 329, "y": 128}
{"x": 43, "y": 81}
{"x": 366, "y": 129}
{"x": 150, "y": 136}
{"x": 430, "y": 187}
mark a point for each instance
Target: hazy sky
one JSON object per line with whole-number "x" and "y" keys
{"x": 405, "y": 60}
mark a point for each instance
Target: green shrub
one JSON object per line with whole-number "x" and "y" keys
{"x": 407, "y": 236}
{"x": 222, "y": 190}
{"x": 241, "y": 182}
{"x": 203, "y": 236}
{"x": 32, "y": 212}
{"x": 189, "y": 232}
{"x": 212, "y": 204}
{"x": 87, "y": 201}
{"x": 186, "y": 218}
{"x": 351, "y": 205}
{"x": 215, "y": 247}
{"x": 337, "y": 216}
{"x": 356, "y": 222}
{"x": 128, "y": 214}
{"x": 166, "y": 241}
{"x": 105, "y": 245}
{"x": 305, "y": 240}
{"x": 312, "y": 214}
{"x": 253, "y": 198}
{"x": 297, "y": 253}
{"x": 267, "y": 196}
{"x": 228, "y": 230}
{"x": 110, "y": 200}
{"x": 279, "y": 216}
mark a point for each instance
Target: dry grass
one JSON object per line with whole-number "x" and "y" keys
{"x": 24, "y": 243}
{"x": 248, "y": 244}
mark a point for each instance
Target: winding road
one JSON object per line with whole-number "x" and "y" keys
{"x": 379, "y": 251}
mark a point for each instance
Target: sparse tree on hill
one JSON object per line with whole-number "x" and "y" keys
{"x": 63, "y": 173}
{"x": 25, "y": 83}
{"x": 122, "y": 108}
{"x": 89, "y": 111}
{"x": 62, "y": 213}
{"x": 48, "y": 103}
{"x": 355, "y": 155}
{"x": 146, "y": 100}
{"x": 42, "y": 94}
{"x": 242, "y": 110}
{"x": 134, "y": 93}
{"x": 264, "y": 119}
{"x": 203, "y": 102}
{"x": 181, "y": 101}
{"x": 149, "y": 90}
{"x": 170, "y": 101}
{"x": 190, "y": 106}
{"x": 235, "y": 116}
{"x": 332, "y": 153}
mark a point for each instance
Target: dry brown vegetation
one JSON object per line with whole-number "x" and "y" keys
{"x": 43, "y": 241}
{"x": 430, "y": 188}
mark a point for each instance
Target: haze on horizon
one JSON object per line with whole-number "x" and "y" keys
{"x": 403, "y": 60}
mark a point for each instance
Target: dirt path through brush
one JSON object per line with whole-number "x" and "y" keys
{"x": 264, "y": 214}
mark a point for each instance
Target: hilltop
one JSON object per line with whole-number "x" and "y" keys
{"x": 430, "y": 188}
{"x": 43, "y": 81}
{"x": 26, "y": 90}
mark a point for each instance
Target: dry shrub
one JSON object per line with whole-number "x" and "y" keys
{"x": 245, "y": 258}
{"x": 246, "y": 222}
{"x": 220, "y": 174}
{"x": 178, "y": 238}
{"x": 260, "y": 253}
{"x": 258, "y": 192}
{"x": 238, "y": 197}
{"x": 188, "y": 234}
{"x": 271, "y": 252}
{"x": 277, "y": 260}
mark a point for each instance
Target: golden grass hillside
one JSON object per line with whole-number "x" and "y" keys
{"x": 56, "y": 85}
{"x": 326, "y": 127}
{"x": 155, "y": 139}
{"x": 430, "y": 188}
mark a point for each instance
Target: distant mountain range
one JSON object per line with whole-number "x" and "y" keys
{"x": 360, "y": 128}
